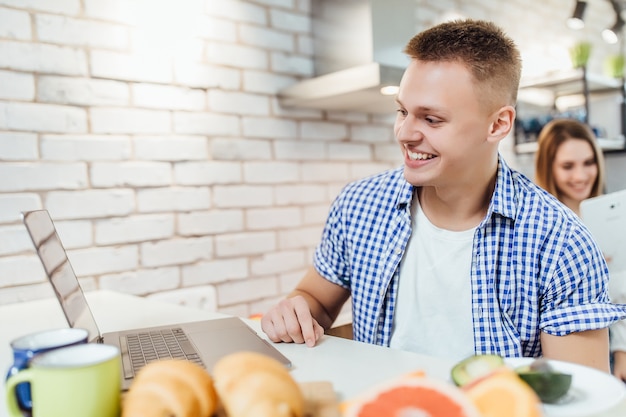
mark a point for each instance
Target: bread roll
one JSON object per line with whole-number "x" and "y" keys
{"x": 170, "y": 388}
{"x": 254, "y": 385}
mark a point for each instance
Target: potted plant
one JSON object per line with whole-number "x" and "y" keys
{"x": 614, "y": 65}
{"x": 579, "y": 54}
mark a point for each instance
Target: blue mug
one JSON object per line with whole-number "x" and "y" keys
{"x": 28, "y": 346}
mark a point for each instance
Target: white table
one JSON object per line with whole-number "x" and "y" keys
{"x": 350, "y": 366}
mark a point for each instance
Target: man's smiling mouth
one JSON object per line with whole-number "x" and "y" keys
{"x": 419, "y": 156}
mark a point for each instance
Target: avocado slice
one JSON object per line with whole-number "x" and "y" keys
{"x": 549, "y": 384}
{"x": 474, "y": 367}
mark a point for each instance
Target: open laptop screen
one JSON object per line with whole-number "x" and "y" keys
{"x": 59, "y": 271}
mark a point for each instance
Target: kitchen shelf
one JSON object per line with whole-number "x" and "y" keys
{"x": 571, "y": 82}
{"x": 541, "y": 93}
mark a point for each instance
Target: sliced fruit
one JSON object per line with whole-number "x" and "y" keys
{"x": 475, "y": 367}
{"x": 412, "y": 396}
{"x": 549, "y": 384}
{"x": 503, "y": 393}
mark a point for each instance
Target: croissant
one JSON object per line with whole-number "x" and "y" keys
{"x": 170, "y": 388}
{"x": 254, "y": 385}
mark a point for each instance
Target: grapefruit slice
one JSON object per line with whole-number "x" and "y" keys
{"x": 412, "y": 396}
{"x": 503, "y": 393}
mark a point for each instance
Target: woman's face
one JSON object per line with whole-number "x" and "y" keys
{"x": 575, "y": 171}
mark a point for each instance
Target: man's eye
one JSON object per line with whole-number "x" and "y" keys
{"x": 402, "y": 112}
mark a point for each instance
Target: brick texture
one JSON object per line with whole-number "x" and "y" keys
{"x": 162, "y": 151}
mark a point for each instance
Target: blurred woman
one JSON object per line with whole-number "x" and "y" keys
{"x": 570, "y": 165}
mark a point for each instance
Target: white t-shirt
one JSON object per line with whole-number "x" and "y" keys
{"x": 434, "y": 305}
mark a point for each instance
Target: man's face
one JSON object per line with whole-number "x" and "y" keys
{"x": 441, "y": 125}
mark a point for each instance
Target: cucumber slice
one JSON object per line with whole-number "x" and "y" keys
{"x": 475, "y": 367}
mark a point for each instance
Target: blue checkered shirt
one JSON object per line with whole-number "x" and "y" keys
{"x": 534, "y": 266}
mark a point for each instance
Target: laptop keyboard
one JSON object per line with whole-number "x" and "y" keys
{"x": 145, "y": 347}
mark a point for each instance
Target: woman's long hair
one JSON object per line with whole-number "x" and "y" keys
{"x": 550, "y": 139}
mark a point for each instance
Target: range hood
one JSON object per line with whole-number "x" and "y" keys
{"x": 357, "y": 51}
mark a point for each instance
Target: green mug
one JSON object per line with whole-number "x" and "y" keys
{"x": 76, "y": 381}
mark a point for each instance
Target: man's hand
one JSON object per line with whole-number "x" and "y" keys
{"x": 291, "y": 321}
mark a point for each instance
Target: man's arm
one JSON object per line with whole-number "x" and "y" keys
{"x": 306, "y": 312}
{"x": 589, "y": 348}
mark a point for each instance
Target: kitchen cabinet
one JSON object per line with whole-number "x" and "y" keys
{"x": 596, "y": 100}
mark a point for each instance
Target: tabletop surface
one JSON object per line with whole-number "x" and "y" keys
{"x": 350, "y": 366}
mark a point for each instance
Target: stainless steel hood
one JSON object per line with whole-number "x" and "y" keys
{"x": 357, "y": 50}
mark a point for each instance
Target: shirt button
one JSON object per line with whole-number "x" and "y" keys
{"x": 398, "y": 251}
{"x": 479, "y": 312}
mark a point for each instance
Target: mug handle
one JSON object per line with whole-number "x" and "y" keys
{"x": 11, "y": 396}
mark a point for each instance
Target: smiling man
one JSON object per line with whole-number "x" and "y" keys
{"x": 455, "y": 253}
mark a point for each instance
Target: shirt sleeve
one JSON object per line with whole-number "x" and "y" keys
{"x": 330, "y": 255}
{"x": 577, "y": 296}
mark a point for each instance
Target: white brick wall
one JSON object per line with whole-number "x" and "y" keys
{"x": 240, "y": 149}
{"x": 132, "y": 174}
{"x": 42, "y": 176}
{"x": 89, "y": 203}
{"x": 242, "y": 103}
{"x": 143, "y": 281}
{"x": 16, "y": 86}
{"x": 103, "y": 260}
{"x": 16, "y": 146}
{"x": 43, "y": 58}
{"x": 21, "y": 270}
{"x": 126, "y": 120}
{"x": 212, "y": 272}
{"x": 176, "y": 251}
{"x": 161, "y": 151}
{"x": 11, "y": 205}
{"x": 69, "y": 31}
{"x": 167, "y": 97}
{"x": 134, "y": 229}
{"x": 273, "y": 218}
{"x": 170, "y": 148}
{"x": 237, "y": 10}
{"x": 239, "y": 244}
{"x": 82, "y": 91}
{"x": 14, "y": 240}
{"x": 74, "y": 233}
{"x": 14, "y": 24}
{"x": 42, "y": 118}
{"x": 270, "y": 172}
{"x": 210, "y": 222}
{"x": 85, "y": 147}
{"x": 173, "y": 199}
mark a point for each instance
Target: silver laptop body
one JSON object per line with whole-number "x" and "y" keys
{"x": 203, "y": 342}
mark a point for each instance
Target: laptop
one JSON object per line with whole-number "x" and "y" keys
{"x": 202, "y": 342}
{"x": 605, "y": 217}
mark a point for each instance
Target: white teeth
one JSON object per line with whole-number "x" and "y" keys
{"x": 421, "y": 156}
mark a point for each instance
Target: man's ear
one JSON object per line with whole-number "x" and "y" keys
{"x": 502, "y": 123}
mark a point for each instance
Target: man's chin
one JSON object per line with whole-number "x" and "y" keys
{"x": 412, "y": 178}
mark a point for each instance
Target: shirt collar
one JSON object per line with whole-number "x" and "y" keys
{"x": 405, "y": 191}
{"x": 502, "y": 201}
